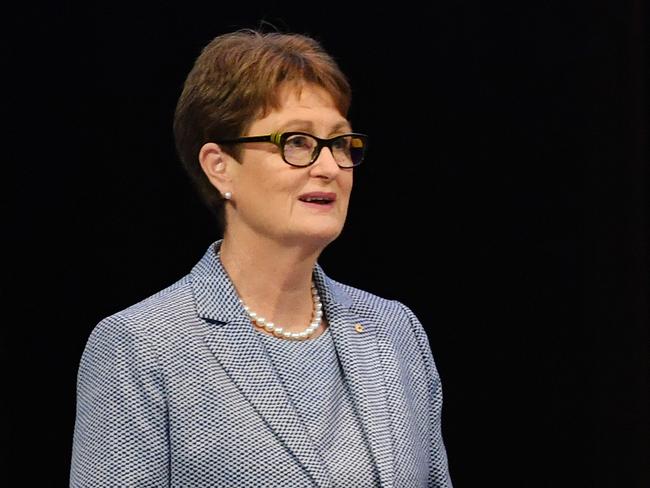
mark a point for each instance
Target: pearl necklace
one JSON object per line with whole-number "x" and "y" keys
{"x": 262, "y": 323}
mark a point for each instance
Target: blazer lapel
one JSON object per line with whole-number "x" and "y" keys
{"x": 356, "y": 346}
{"x": 244, "y": 359}
{"x": 242, "y": 355}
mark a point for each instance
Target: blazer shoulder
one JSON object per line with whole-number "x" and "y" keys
{"x": 174, "y": 297}
{"x": 370, "y": 305}
{"x": 150, "y": 314}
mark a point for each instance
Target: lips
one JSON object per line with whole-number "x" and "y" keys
{"x": 318, "y": 197}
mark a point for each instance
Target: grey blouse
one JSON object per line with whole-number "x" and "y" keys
{"x": 312, "y": 375}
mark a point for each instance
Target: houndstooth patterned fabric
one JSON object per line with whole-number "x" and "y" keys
{"x": 179, "y": 390}
{"x": 311, "y": 374}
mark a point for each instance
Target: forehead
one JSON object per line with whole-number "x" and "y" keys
{"x": 305, "y": 107}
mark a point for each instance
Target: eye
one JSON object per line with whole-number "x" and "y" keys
{"x": 299, "y": 141}
{"x": 342, "y": 144}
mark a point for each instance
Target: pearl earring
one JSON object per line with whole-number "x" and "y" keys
{"x": 227, "y": 195}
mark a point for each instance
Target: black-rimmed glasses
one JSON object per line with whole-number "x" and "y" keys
{"x": 302, "y": 149}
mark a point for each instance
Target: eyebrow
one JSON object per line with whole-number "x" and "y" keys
{"x": 309, "y": 125}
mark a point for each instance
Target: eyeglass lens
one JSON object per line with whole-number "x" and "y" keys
{"x": 301, "y": 149}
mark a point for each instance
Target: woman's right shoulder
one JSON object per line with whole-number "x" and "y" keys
{"x": 150, "y": 316}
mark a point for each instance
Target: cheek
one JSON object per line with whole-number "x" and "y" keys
{"x": 266, "y": 181}
{"x": 346, "y": 185}
{"x": 283, "y": 189}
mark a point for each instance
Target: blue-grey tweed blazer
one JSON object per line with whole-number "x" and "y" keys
{"x": 178, "y": 390}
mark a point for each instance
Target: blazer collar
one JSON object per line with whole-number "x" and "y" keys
{"x": 236, "y": 346}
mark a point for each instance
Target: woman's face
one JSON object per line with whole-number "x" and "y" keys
{"x": 270, "y": 197}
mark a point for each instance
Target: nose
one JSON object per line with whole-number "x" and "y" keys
{"x": 325, "y": 165}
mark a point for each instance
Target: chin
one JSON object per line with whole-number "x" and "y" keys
{"x": 319, "y": 238}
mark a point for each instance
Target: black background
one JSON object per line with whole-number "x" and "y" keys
{"x": 503, "y": 200}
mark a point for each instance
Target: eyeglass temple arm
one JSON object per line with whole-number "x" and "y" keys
{"x": 267, "y": 138}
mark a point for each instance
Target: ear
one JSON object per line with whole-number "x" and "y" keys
{"x": 214, "y": 163}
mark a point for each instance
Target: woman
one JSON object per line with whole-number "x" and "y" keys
{"x": 256, "y": 369}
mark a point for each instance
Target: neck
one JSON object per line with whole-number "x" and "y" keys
{"x": 272, "y": 278}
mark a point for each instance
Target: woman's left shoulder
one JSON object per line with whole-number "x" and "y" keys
{"x": 378, "y": 309}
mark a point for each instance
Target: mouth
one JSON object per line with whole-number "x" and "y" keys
{"x": 318, "y": 198}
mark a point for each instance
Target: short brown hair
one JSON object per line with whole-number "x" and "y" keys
{"x": 237, "y": 78}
